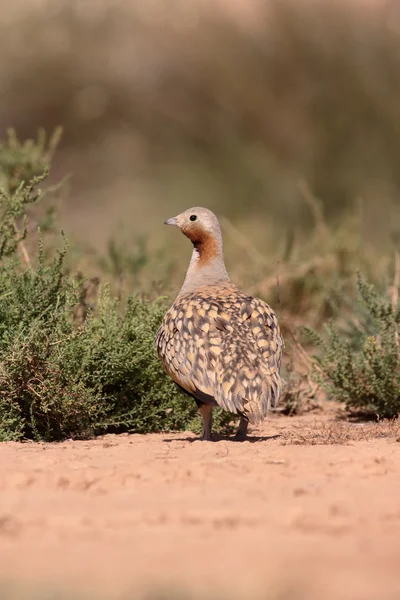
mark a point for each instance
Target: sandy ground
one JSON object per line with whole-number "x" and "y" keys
{"x": 273, "y": 517}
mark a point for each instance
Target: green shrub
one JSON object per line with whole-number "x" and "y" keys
{"x": 67, "y": 372}
{"x": 359, "y": 363}
{"x": 58, "y": 380}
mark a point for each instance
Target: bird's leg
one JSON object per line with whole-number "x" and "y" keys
{"x": 206, "y": 413}
{"x": 241, "y": 433}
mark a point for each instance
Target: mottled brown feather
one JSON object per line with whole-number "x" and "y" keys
{"x": 226, "y": 345}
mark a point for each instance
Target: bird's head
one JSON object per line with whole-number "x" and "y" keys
{"x": 207, "y": 266}
{"x": 199, "y": 224}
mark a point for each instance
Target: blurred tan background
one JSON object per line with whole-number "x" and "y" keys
{"x": 241, "y": 106}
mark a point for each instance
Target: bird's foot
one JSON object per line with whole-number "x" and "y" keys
{"x": 206, "y": 436}
{"x": 241, "y": 433}
{"x": 206, "y": 413}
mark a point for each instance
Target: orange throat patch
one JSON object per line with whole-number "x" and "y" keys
{"x": 207, "y": 248}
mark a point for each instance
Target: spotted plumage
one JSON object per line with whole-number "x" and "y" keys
{"x": 218, "y": 344}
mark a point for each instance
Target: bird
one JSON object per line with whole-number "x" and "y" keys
{"x": 220, "y": 346}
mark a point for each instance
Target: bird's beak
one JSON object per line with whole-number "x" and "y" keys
{"x": 171, "y": 221}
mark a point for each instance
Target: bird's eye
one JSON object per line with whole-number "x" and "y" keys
{"x": 193, "y": 217}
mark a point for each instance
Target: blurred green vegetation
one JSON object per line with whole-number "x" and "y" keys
{"x": 169, "y": 105}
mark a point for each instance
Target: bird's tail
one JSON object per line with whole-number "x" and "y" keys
{"x": 256, "y": 407}
{"x": 254, "y": 411}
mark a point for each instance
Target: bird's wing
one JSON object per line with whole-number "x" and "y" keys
{"x": 183, "y": 344}
{"x": 229, "y": 351}
{"x": 247, "y": 377}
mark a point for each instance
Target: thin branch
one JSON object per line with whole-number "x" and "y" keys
{"x": 314, "y": 206}
{"x": 395, "y": 292}
{"x": 25, "y": 254}
{"x": 297, "y": 272}
{"x": 396, "y": 281}
{"x": 242, "y": 240}
{"x": 22, "y": 247}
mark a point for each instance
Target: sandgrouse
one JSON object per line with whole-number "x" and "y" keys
{"x": 219, "y": 345}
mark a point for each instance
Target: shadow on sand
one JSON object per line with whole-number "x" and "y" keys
{"x": 226, "y": 438}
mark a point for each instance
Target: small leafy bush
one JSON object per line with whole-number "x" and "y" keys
{"x": 359, "y": 363}
{"x": 60, "y": 380}
{"x": 21, "y": 162}
{"x": 67, "y": 370}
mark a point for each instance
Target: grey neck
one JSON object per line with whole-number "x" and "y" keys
{"x": 199, "y": 275}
